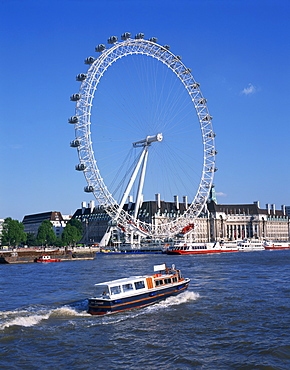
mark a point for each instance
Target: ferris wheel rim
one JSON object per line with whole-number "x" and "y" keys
{"x": 88, "y": 163}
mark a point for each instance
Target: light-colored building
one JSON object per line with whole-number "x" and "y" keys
{"x": 218, "y": 222}
{"x": 240, "y": 221}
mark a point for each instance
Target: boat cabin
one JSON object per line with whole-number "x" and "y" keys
{"x": 138, "y": 284}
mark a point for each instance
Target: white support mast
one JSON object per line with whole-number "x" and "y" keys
{"x": 145, "y": 143}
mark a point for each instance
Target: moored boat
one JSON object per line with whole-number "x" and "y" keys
{"x": 276, "y": 245}
{"x": 47, "y": 258}
{"x": 194, "y": 248}
{"x": 251, "y": 245}
{"x": 137, "y": 291}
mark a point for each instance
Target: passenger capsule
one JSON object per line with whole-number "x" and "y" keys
{"x": 90, "y": 60}
{"x": 207, "y": 118}
{"x": 75, "y": 143}
{"x": 167, "y": 47}
{"x": 99, "y": 48}
{"x": 80, "y": 167}
{"x": 73, "y": 119}
{"x": 202, "y": 101}
{"x": 195, "y": 85}
{"x": 153, "y": 39}
{"x": 75, "y": 97}
{"x": 187, "y": 71}
{"x": 112, "y": 39}
{"x": 178, "y": 57}
{"x": 211, "y": 135}
{"x": 125, "y": 36}
{"x": 89, "y": 189}
{"x": 81, "y": 77}
{"x": 213, "y": 152}
{"x": 139, "y": 36}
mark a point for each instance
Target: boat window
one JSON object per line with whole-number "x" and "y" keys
{"x": 167, "y": 281}
{"x": 158, "y": 282}
{"x": 127, "y": 287}
{"x": 115, "y": 289}
{"x": 139, "y": 284}
{"x": 174, "y": 279}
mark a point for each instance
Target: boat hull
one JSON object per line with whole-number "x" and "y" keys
{"x": 193, "y": 251}
{"x": 102, "y": 307}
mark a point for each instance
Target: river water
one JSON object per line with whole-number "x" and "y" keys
{"x": 235, "y": 315}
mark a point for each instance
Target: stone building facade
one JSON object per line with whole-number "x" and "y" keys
{"x": 218, "y": 221}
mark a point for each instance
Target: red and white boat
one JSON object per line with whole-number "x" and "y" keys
{"x": 47, "y": 258}
{"x": 194, "y": 248}
{"x": 276, "y": 245}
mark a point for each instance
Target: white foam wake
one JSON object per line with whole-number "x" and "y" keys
{"x": 175, "y": 300}
{"x": 26, "y": 318}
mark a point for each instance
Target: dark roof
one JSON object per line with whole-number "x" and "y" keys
{"x": 40, "y": 217}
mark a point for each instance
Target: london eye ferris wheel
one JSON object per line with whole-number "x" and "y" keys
{"x": 142, "y": 127}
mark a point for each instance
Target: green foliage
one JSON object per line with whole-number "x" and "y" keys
{"x": 71, "y": 234}
{"x": 45, "y": 234}
{"x": 76, "y": 223}
{"x": 31, "y": 240}
{"x": 13, "y": 232}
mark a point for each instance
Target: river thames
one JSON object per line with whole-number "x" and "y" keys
{"x": 235, "y": 315}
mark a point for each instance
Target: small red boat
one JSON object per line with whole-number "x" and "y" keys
{"x": 46, "y": 258}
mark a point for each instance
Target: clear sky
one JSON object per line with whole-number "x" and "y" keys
{"x": 238, "y": 51}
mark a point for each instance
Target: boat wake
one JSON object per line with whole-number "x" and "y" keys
{"x": 34, "y": 315}
{"x": 114, "y": 318}
{"x": 174, "y": 300}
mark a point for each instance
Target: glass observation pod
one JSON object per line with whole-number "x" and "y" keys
{"x": 112, "y": 39}
{"x": 153, "y": 39}
{"x": 167, "y": 47}
{"x": 73, "y": 119}
{"x": 81, "y": 77}
{"x": 202, "y": 101}
{"x": 211, "y": 135}
{"x": 213, "y": 152}
{"x": 75, "y": 97}
{"x": 99, "y": 48}
{"x": 80, "y": 167}
{"x": 207, "y": 118}
{"x": 89, "y": 189}
{"x": 139, "y": 36}
{"x": 125, "y": 36}
{"x": 75, "y": 143}
{"x": 90, "y": 60}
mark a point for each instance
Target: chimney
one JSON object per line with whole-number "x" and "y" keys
{"x": 273, "y": 206}
{"x": 84, "y": 206}
{"x": 176, "y": 201}
{"x": 92, "y": 205}
{"x": 283, "y": 208}
{"x": 268, "y": 208}
{"x": 130, "y": 201}
{"x": 185, "y": 201}
{"x": 257, "y": 203}
{"x": 157, "y": 199}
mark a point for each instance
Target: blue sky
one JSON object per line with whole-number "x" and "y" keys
{"x": 238, "y": 51}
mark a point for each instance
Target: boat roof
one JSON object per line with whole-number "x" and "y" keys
{"x": 121, "y": 281}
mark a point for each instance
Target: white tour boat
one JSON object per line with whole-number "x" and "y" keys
{"x": 251, "y": 245}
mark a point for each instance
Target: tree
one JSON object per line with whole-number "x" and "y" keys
{"x": 72, "y": 233}
{"x": 45, "y": 234}
{"x": 76, "y": 223}
{"x": 13, "y": 232}
{"x": 31, "y": 239}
